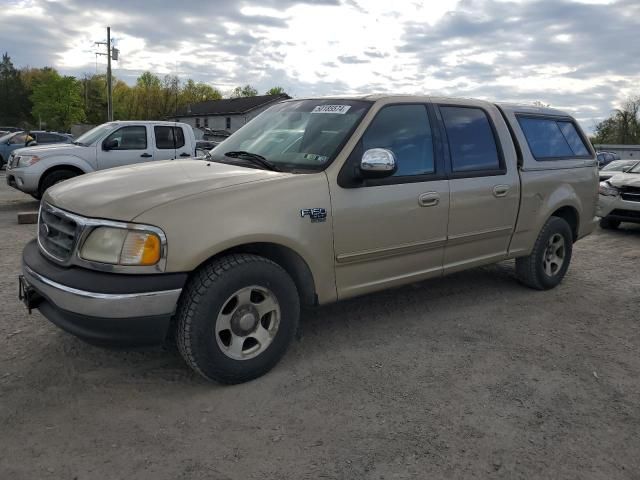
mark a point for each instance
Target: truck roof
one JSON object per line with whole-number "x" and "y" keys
{"x": 148, "y": 122}
{"x": 515, "y": 107}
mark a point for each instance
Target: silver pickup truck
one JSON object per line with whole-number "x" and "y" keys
{"x": 312, "y": 202}
{"x": 34, "y": 169}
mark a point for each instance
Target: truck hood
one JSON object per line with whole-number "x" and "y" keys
{"x": 124, "y": 193}
{"x": 625, "y": 180}
{"x": 47, "y": 150}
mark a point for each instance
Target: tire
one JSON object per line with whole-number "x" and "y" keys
{"x": 214, "y": 330}
{"x": 54, "y": 177}
{"x": 607, "y": 223}
{"x": 549, "y": 261}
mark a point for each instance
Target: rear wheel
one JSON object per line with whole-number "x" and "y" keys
{"x": 236, "y": 318}
{"x": 54, "y": 177}
{"x": 609, "y": 223}
{"x": 549, "y": 261}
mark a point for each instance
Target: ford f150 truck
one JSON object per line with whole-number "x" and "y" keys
{"x": 314, "y": 201}
{"x": 34, "y": 169}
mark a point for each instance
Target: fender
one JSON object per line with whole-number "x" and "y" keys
{"x": 60, "y": 160}
{"x": 541, "y": 198}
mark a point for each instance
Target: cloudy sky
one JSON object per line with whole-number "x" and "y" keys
{"x": 578, "y": 55}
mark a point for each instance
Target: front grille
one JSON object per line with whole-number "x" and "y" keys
{"x": 625, "y": 213}
{"x": 57, "y": 233}
{"x": 630, "y": 194}
{"x": 631, "y": 197}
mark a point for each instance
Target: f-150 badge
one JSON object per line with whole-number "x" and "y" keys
{"x": 315, "y": 214}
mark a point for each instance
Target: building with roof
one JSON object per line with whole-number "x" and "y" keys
{"x": 626, "y": 152}
{"x": 226, "y": 115}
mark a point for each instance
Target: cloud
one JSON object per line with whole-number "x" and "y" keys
{"x": 351, "y": 59}
{"x": 577, "y": 55}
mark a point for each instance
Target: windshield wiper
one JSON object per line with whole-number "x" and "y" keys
{"x": 253, "y": 157}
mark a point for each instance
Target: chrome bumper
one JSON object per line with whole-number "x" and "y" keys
{"x": 103, "y": 305}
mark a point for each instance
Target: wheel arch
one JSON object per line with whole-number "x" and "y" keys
{"x": 58, "y": 167}
{"x": 290, "y": 260}
{"x": 569, "y": 214}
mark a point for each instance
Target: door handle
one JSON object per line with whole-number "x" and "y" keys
{"x": 501, "y": 190}
{"x": 429, "y": 199}
{"x": 185, "y": 154}
{"x": 146, "y": 155}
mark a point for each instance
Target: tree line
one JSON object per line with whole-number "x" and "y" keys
{"x": 35, "y": 97}
{"x": 622, "y": 127}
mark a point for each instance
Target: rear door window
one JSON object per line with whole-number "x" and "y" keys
{"x": 552, "y": 139}
{"x": 168, "y": 137}
{"x": 472, "y": 144}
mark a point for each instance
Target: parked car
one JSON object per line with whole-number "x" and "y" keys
{"x": 12, "y": 141}
{"x": 377, "y": 192}
{"x": 113, "y": 144}
{"x": 604, "y": 158}
{"x": 615, "y": 167}
{"x": 620, "y": 199}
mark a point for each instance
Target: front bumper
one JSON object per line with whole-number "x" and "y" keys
{"x": 105, "y": 308}
{"x": 23, "y": 181}
{"x": 617, "y": 208}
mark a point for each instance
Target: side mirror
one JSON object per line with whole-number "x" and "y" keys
{"x": 110, "y": 144}
{"x": 626, "y": 169}
{"x": 32, "y": 143}
{"x": 378, "y": 163}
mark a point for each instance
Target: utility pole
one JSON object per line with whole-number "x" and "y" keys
{"x": 112, "y": 53}
{"x": 109, "y": 90}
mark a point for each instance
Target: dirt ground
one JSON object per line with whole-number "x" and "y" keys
{"x": 470, "y": 376}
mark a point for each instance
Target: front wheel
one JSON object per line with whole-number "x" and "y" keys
{"x": 549, "y": 261}
{"x": 236, "y": 318}
{"x": 53, "y": 178}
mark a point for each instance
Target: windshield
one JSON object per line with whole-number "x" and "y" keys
{"x": 618, "y": 165}
{"x": 95, "y": 133}
{"x": 302, "y": 134}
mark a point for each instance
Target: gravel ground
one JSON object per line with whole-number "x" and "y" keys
{"x": 470, "y": 376}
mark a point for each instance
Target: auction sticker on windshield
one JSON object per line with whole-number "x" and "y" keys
{"x": 340, "y": 109}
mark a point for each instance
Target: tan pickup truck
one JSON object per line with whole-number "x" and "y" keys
{"x": 314, "y": 201}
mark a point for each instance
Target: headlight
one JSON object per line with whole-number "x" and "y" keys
{"x": 27, "y": 160}
{"x": 119, "y": 246}
{"x": 608, "y": 190}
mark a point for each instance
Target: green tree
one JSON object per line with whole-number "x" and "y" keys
{"x": 124, "y": 101}
{"x": 246, "y": 91}
{"x": 149, "y": 94}
{"x": 170, "y": 94}
{"x": 193, "y": 92}
{"x": 14, "y": 100}
{"x": 57, "y": 101}
{"x": 622, "y": 127}
{"x": 275, "y": 91}
{"x": 94, "y": 96}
